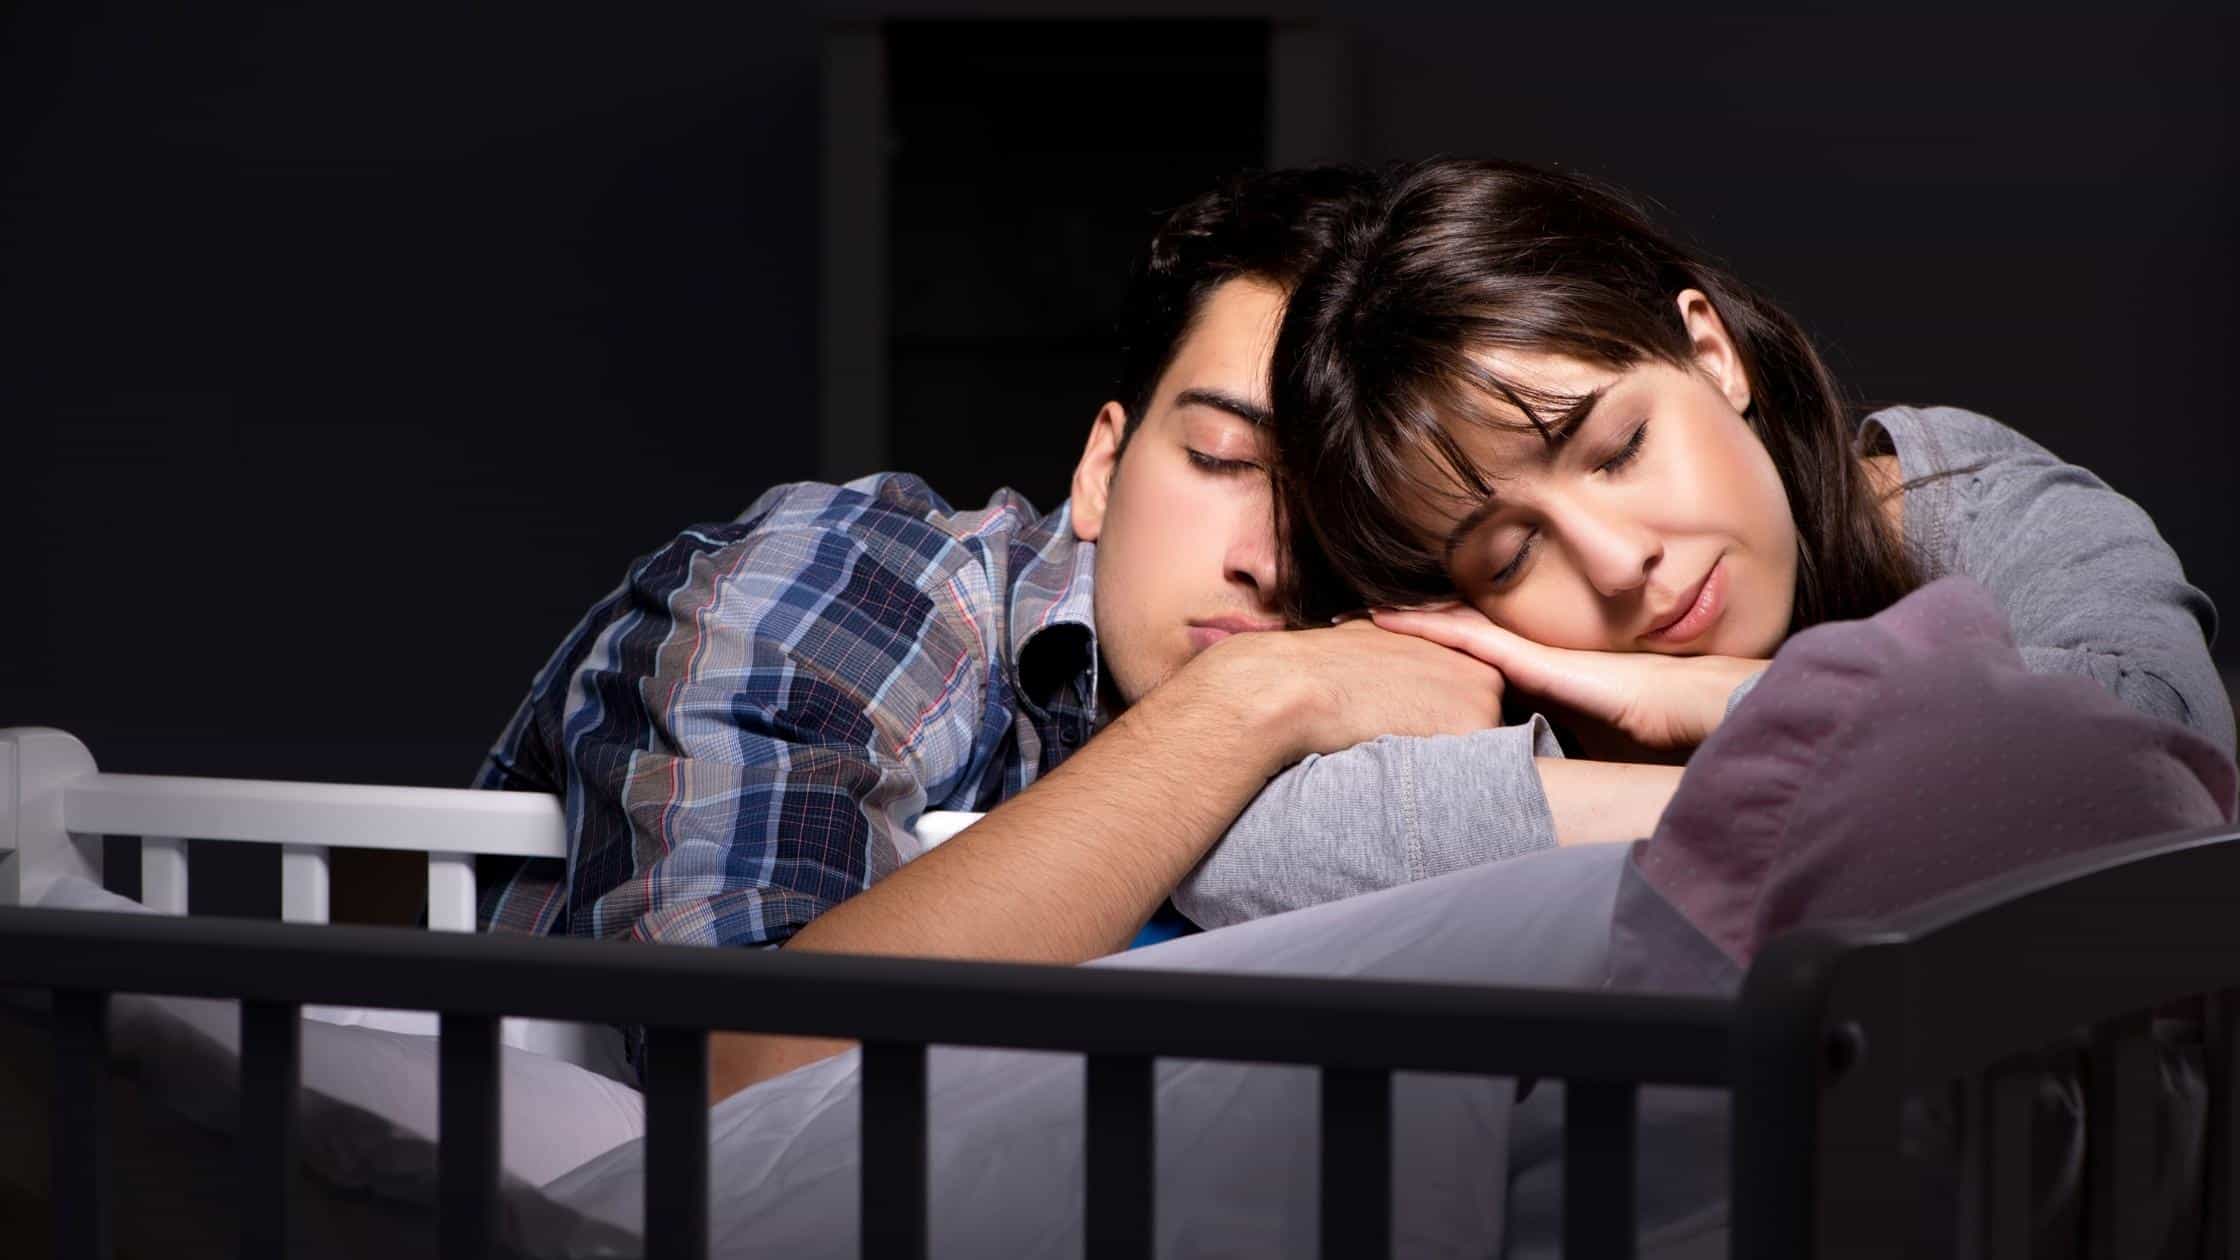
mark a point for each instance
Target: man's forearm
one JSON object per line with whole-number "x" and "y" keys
{"x": 1066, "y": 871}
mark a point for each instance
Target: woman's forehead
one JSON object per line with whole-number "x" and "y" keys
{"x": 1550, "y": 384}
{"x": 1495, "y": 436}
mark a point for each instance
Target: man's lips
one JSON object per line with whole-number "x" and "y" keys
{"x": 1208, "y": 631}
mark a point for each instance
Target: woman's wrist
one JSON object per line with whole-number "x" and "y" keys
{"x": 1719, "y": 678}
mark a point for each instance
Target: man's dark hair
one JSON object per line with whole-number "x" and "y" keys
{"x": 1379, "y": 355}
{"x": 1266, "y": 225}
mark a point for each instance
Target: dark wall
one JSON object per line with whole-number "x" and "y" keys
{"x": 2028, "y": 216}
{"x": 349, "y": 354}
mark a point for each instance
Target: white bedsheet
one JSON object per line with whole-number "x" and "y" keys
{"x": 1238, "y": 1145}
{"x": 1237, "y": 1163}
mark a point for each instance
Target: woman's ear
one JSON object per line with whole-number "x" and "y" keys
{"x": 1092, "y": 476}
{"x": 1715, "y": 354}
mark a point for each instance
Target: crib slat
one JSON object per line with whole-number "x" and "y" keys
{"x": 894, "y": 1151}
{"x": 271, "y": 1050}
{"x": 2220, "y": 1239}
{"x": 467, "y": 1136}
{"x": 303, "y": 883}
{"x": 2120, "y": 1125}
{"x": 1356, "y": 1162}
{"x": 1121, "y": 1137}
{"x": 451, "y": 892}
{"x": 163, "y": 873}
{"x": 1598, "y": 1170}
{"x": 1998, "y": 1155}
{"x": 676, "y": 1198}
{"x": 80, "y": 1140}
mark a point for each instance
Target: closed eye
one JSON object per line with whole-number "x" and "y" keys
{"x": 1516, "y": 562}
{"x": 1220, "y": 467}
{"x": 1627, "y": 453}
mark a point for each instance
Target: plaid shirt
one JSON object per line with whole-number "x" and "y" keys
{"x": 744, "y": 732}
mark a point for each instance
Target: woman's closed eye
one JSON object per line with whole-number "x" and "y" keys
{"x": 1516, "y": 562}
{"x": 1626, "y": 453}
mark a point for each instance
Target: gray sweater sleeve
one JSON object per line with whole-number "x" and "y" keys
{"x": 2088, "y": 584}
{"x": 1378, "y": 814}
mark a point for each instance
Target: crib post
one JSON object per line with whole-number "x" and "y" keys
{"x": 37, "y": 766}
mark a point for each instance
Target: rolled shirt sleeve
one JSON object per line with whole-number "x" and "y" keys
{"x": 744, "y": 749}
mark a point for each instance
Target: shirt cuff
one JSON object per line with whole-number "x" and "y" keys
{"x": 1478, "y": 796}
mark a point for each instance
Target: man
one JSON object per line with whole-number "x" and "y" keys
{"x": 745, "y": 731}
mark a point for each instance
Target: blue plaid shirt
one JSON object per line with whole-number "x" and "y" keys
{"x": 744, "y": 732}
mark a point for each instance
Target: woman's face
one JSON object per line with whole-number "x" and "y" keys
{"x": 1659, "y": 523}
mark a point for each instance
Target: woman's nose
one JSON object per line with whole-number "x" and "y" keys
{"x": 1614, "y": 551}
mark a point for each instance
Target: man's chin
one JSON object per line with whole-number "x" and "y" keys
{"x": 1124, "y": 688}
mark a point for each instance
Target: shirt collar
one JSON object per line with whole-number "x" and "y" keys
{"x": 1053, "y": 617}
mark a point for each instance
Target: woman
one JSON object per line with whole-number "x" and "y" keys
{"x": 1514, "y": 417}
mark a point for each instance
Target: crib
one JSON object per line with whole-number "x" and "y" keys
{"x": 1833, "y": 1025}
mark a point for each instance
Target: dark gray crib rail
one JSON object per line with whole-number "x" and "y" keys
{"x": 1832, "y": 1025}
{"x": 1836, "y": 1023}
{"x": 1357, "y": 1031}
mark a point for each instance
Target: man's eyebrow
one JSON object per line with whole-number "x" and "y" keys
{"x": 1220, "y": 401}
{"x": 1564, "y": 426}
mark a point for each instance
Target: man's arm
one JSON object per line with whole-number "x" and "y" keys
{"x": 1069, "y": 869}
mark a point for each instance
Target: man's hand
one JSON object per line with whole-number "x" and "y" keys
{"x": 1351, "y": 683}
{"x": 1070, "y": 868}
{"x": 1656, "y": 704}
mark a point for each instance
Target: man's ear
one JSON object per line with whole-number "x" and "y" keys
{"x": 1715, "y": 354}
{"x": 1092, "y": 477}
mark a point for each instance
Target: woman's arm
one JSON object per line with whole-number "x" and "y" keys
{"x": 2088, "y": 585}
{"x": 1396, "y": 809}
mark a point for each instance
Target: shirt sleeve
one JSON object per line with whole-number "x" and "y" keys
{"x": 754, "y": 732}
{"x": 2091, "y": 588}
{"x": 1387, "y": 812}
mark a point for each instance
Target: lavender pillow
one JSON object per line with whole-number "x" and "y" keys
{"x": 1882, "y": 762}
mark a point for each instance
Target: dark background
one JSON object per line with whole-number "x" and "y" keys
{"x": 348, "y": 353}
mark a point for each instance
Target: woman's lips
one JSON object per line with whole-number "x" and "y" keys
{"x": 1710, "y": 601}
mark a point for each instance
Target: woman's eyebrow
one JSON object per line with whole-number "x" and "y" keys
{"x": 1467, "y": 526}
{"x": 1220, "y": 401}
{"x": 1578, "y": 413}
{"x": 1573, "y": 416}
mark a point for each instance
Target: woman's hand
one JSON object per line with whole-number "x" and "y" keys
{"x": 1660, "y": 705}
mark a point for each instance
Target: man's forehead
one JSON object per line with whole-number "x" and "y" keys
{"x": 1225, "y": 352}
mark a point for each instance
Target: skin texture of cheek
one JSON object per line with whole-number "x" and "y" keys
{"x": 1158, "y": 565}
{"x": 1760, "y": 604}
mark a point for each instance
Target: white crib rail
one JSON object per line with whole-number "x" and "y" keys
{"x": 56, "y": 805}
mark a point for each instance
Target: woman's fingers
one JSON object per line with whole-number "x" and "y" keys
{"x": 1596, "y": 684}
{"x": 1465, "y": 629}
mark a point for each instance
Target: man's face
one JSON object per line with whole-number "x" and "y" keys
{"x": 1182, "y": 518}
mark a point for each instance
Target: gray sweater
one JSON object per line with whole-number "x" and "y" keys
{"x": 2088, "y": 586}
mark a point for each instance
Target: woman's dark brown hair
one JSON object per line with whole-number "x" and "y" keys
{"x": 1380, "y": 351}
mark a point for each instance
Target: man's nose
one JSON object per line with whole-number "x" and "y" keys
{"x": 1251, "y": 557}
